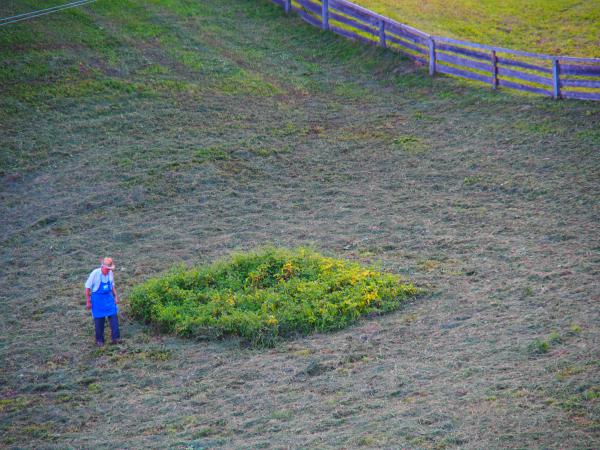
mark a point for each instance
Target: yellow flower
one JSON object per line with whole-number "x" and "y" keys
{"x": 371, "y": 296}
{"x": 287, "y": 270}
{"x": 327, "y": 266}
{"x": 272, "y": 321}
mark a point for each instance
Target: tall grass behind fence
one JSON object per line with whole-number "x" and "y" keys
{"x": 554, "y": 76}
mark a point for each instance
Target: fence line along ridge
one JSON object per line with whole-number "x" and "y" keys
{"x": 554, "y": 76}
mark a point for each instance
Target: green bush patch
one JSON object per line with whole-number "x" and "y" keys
{"x": 266, "y": 294}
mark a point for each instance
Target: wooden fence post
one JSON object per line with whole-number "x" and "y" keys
{"x": 325, "y": 14}
{"x": 494, "y": 70}
{"x": 287, "y": 5}
{"x": 382, "y": 34}
{"x": 555, "y": 79}
{"x": 431, "y": 56}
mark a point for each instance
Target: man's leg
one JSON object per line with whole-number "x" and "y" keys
{"x": 114, "y": 328}
{"x": 99, "y": 323}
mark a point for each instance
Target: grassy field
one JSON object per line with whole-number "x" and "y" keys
{"x": 556, "y": 27}
{"x": 169, "y": 131}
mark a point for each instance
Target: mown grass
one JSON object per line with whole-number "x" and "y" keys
{"x": 557, "y": 27}
{"x": 130, "y": 142}
{"x": 267, "y": 294}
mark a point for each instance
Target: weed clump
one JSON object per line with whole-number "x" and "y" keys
{"x": 538, "y": 347}
{"x": 266, "y": 294}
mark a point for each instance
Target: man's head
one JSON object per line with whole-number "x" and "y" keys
{"x": 107, "y": 265}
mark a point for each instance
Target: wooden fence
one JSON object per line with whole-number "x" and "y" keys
{"x": 555, "y": 76}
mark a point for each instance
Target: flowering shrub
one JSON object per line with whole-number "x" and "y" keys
{"x": 265, "y": 294}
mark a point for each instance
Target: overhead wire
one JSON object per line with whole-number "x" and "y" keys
{"x": 42, "y": 12}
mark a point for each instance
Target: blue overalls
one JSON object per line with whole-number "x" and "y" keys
{"x": 103, "y": 306}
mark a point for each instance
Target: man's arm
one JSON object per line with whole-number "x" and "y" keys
{"x": 89, "y": 284}
{"x": 115, "y": 295}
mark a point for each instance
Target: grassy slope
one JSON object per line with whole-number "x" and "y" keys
{"x": 558, "y": 27}
{"x": 179, "y": 130}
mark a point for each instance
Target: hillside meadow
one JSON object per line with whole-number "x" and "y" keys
{"x": 174, "y": 132}
{"x": 554, "y": 27}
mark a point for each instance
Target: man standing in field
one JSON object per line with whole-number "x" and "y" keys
{"x": 101, "y": 298}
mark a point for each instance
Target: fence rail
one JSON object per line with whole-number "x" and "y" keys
{"x": 554, "y": 76}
